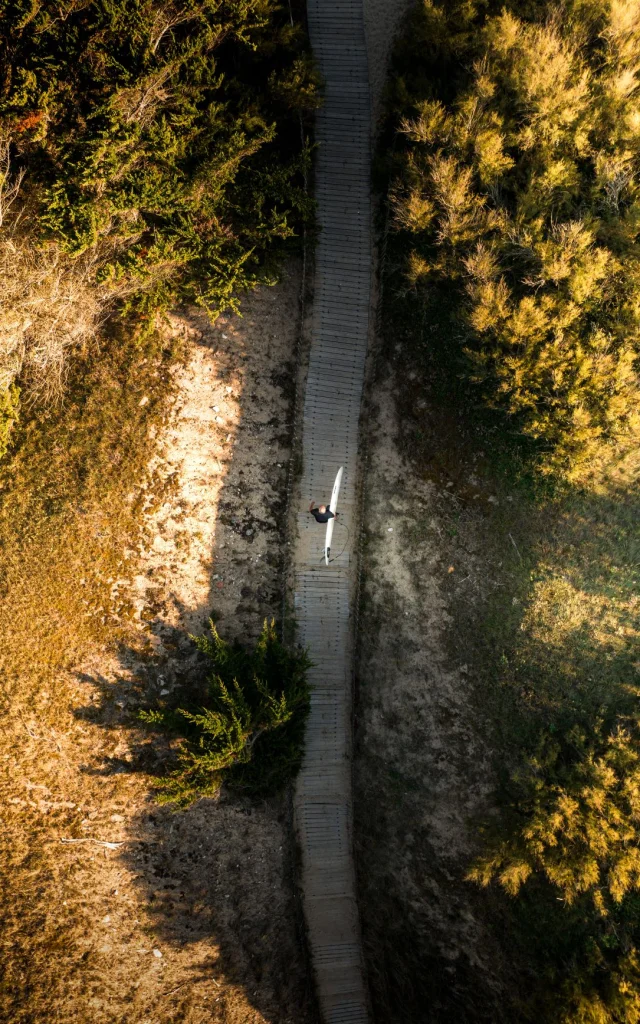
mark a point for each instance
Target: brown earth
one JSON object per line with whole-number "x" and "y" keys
{"x": 422, "y": 772}
{"x": 115, "y": 909}
{"x": 382, "y": 21}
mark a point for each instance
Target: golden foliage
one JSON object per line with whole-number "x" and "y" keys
{"x": 525, "y": 187}
{"x": 582, "y": 825}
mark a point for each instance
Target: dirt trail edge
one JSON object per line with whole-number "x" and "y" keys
{"x": 324, "y": 595}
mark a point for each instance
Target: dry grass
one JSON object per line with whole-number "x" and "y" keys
{"x": 48, "y": 305}
{"x": 580, "y": 622}
{"x": 69, "y": 510}
{"x": 545, "y": 589}
{"x": 107, "y": 542}
{"x": 70, "y": 497}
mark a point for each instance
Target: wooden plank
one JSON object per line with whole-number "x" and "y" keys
{"x": 322, "y": 596}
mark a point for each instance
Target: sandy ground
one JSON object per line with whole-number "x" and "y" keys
{"x": 215, "y": 544}
{"x": 156, "y": 916}
{"x": 420, "y": 770}
{"x": 382, "y": 20}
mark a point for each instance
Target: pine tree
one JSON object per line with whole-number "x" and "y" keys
{"x": 577, "y": 804}
{"x": 250, "y": 730}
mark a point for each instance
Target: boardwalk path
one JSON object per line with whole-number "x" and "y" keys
{"x": 324, "y": 596}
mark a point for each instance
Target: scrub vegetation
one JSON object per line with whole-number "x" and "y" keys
{"x": 249, "y": 729}
{"x": 513, "y": 285}
{"x": 150, "y": 153}
{"x": 519, "y": 194}
{"x": 151, "y": 158}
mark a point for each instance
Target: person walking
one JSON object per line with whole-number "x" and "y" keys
{"x": 322, "y": 514}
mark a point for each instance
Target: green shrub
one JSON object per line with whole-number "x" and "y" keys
{"x": 151, "y": 153}
{"x": 250, "y": 730}
{"x": 518, "y": 185}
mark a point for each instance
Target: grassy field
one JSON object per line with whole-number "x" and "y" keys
{"x": 70, "y": 500}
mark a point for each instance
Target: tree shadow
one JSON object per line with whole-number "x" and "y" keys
{"x": 222, "y": 870}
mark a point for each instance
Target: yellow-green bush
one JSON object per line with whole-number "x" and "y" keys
{"x": 519, "y": 184}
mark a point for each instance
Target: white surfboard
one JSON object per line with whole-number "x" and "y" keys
{"x": 333, "y": 506}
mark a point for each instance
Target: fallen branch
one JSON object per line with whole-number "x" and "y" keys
{"x": 98, "y": 842}
{"x": 515, "y": 546}
{"x": 109, "y": 844}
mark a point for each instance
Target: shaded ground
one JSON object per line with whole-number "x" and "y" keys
{"x": 382, "y": 20}
{"x": 492, "y": 606}
{"x": 421, "y": 768}
{"x": 116, "y": 910}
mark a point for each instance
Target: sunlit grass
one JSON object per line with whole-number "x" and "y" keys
{"x": 577, "y": 638}
{"x": 70, "y": 527}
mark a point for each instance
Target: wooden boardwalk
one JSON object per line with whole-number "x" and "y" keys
{"x": 324, "y": 596}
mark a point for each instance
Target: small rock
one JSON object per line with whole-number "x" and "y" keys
{"x": 493, "y": 500}
{"x": 117, "y": 817}
{"x": 143, "y": 401}
{"x": 390, "y": 529}
{"x": 157, "y": 954}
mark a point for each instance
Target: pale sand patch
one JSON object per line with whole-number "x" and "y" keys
{"x": 214, "y": 545}
{"x": 382, "y": 20}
